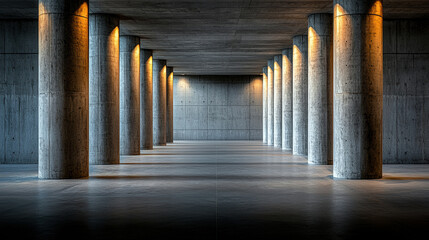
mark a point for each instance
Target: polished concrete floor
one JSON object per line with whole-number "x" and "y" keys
{"x": 214, "y": 190}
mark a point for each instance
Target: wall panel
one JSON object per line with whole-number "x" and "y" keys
{"x": 18, "y": 91}
{"x": 217, "y": 107}
{"x": 406, "y": 91}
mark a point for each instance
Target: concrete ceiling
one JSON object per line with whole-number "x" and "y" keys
{"x": 212, "y": 36}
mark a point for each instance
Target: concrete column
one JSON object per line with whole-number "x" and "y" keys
{"x": 130, "y": 95}
{"x": 300, "y": 96}
{"x": 264, "y": 105}
{"x": 63, "y": 89}
{"x": 270, "y": 103}
{"x": 170, "y": 76}
{"x": 358, "y": 89}
{"x": 103, "y": 89}
{"x": 278, "y": 101}
{"x": 320, "y": 95}
{"x": 146, "y": 95}
{"x": 159, "y": 102}
{"x": 287, "y": 99}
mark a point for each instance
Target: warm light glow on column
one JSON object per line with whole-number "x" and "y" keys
{"x": 287, "y": 99}
{"x": 358, "y": 88}
{"x": 320, "y": 88}
{"x": 129, "y": 95}
{"x": 277, "y": 101}
{"x": 264, "y": 105}
{"x": 300, "y": 95}
{"x": 146, "y": 99}
{"x": 159, "y": 102}
{"x": 170, "y": 76}
{"x": 63, "y": 89}
{"x": 114, "y": 37}
{"x": 104, "y": 89}
{"x": 270, "y": 102}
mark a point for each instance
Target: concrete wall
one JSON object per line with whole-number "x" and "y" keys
{"x": 406, "y": 91}
{"x": 226, "y": 107}
{"x": 18, "y": 91}
{"x": 217, "y": 107}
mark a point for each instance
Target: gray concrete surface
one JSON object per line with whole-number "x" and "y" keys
{"x": 300, "y": 95}
{"x": 264, "y": 105}
{"x": 170, "y": 130}
{"x": 358, "y": 89}
{"x": 18, "y": 91}
{"x": 320, "y": 89}
{"x": 217, "y": 107}
{"x": 405, "y": 91}
{"x": 129, "y": 95}
{"x": 214, "y": 190}
{"x": 277, "y": 114}
{"x": 234, "y": 37}
{"x": 270, "y": 102}
{"x": 287, "y": 120}
{"x": 63, "y": 89}
{"x": 159, "y": 102}
{"x": 146, "y": 100}
{"x": 103, "y": 89}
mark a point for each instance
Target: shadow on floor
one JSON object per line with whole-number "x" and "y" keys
{"x": 215, "y": 163}
{"x": 404, "y": 178}
{"x": 213, "y": 153}
{"x": 206, "y": 177}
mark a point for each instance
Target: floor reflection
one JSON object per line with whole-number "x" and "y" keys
{"x": 214, "y": 190}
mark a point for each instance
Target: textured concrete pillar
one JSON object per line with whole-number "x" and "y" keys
{"x": 358, "y": 89}
{"x": 103, "y": 89}
{"x": 146, "y": 95}
{"x": 170, "y": 76}
{"x": 63, "y": 89}
{"x": 277, "y": 101}
{"x": 300, "y": 96}
{"x": 287, "y": 99}
{"x": 270, "y": 103}
{"x": 264, "y": 105}
{"x": 130, "y": 95}
{"x": 159, "y": 102}
{"x": 320, "y": 95}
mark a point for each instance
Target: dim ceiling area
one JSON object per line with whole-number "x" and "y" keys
{"x": 212, "y": 37}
